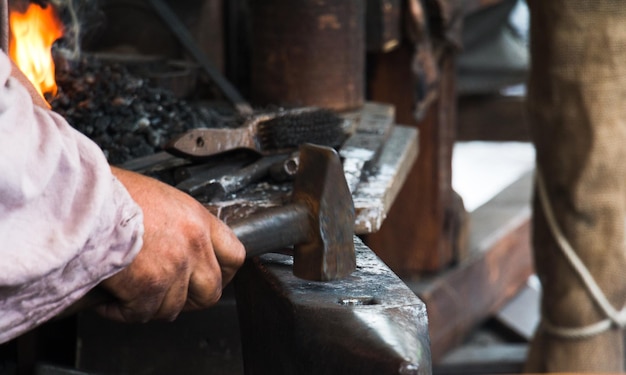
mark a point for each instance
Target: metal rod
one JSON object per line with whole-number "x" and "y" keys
{"x": 273, "y": 229}
{"x": 183, "y": 35}
{"x": 235, "y": 181}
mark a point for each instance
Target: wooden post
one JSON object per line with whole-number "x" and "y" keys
{"x": 417, "y": 234}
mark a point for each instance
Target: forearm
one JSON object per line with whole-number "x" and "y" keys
{"x": 65, "y": 222}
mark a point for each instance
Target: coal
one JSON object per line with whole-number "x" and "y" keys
{"x": 124, "y": 113}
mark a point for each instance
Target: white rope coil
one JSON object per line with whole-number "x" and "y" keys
{"x": 614, "y": 318}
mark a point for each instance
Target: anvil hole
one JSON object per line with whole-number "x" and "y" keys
{"x": 358, "y": 301}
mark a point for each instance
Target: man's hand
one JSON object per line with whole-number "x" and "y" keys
{"x": 188, "y": 255}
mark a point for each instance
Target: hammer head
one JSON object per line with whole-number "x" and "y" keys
{"x": 320, "y": 184}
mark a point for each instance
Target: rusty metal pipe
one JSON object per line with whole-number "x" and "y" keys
{"x": 220, "y": 187}
{"x": 286, "y": 169}
{"x": 308, "y": 53}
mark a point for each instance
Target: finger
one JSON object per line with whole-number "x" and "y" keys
{"x": 137, "y": 311}
{"x": 229, "y": 251}
{"x": 136, "y": 300}
{"x": 205, "y": 285}
{"x": 175, "y": 298}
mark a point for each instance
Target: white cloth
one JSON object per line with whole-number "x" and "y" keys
{"x": 66, "y": 223}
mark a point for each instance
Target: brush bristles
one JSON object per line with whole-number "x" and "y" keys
{"x": 320, "y": 127}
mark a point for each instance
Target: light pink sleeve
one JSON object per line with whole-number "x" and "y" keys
{"x": 65, "y": 222}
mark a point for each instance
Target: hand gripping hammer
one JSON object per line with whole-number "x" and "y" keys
{"x": 319, "y": 223}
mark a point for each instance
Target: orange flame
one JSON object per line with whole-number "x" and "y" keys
{"x": 32, "y": 36}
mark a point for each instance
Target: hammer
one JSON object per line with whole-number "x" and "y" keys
{"x": 318, "y": 223}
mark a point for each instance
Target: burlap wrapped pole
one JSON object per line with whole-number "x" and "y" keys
{"x": 577, "y": 114}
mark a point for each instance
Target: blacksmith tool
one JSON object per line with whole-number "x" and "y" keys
{"x": 209, "y": 169}
{"x": 318, "y": 223}
{"x": 200, "y": 178}
{"x": 232, "y": 182}
{"x": 264, "y": 132}
{"x": 217, "y": 181}
{"x": 285, "y": 170}
{"x": 367, "y": 324}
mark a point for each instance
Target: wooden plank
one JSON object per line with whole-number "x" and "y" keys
{"x": 374, "y": 197}
{"x": 373, "y": 126}
{"x": 383, "y": 24}
{"x": 498, "y": 266}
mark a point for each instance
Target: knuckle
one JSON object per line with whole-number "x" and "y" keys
{"x": 170, "y": 313}
{"x": 214, "y": 297}
{"x": 153, "y": 285}
{"x": 199, "y": 239}
{"x": 209, "y": 300}
{"x": 140, "y": 311}
{"x": 212, "y": 292}
{"x": 179, "y": 265}
{"x": 172, "y": 316}
{"x": 239, "y": 253}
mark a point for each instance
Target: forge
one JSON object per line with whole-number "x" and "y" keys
{"x": 123, "y": 106}
{"x": 150, "y": 71}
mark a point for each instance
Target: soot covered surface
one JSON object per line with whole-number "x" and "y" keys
{"x": 124, "y": 113}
